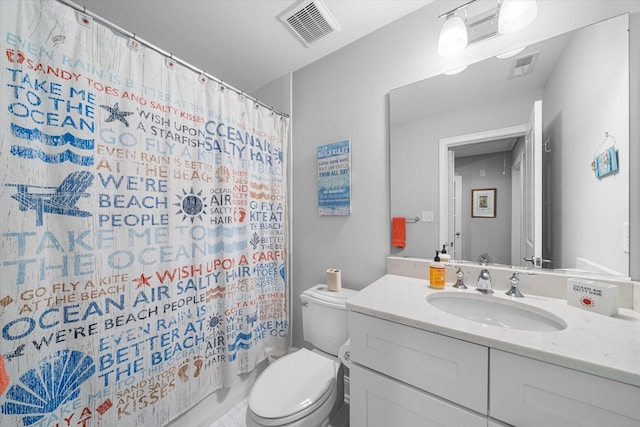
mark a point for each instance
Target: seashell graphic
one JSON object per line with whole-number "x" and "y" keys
{"x": 223, "y": 174}
{"x": 54, "y": 382}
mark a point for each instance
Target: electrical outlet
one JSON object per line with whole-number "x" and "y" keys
{"x": 427, "y": 216}
{"x": 625, "y": 237}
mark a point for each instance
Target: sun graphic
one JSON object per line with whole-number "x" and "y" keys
{"x": 191, "y": 205}
{"x": 214, "y": 321}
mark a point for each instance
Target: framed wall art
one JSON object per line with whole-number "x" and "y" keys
{"x": 334, "y": 178}
{"x": 483, "y": 203}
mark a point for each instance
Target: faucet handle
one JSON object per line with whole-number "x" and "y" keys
{"x": 460, "y": 274}
{"x": 515, "y": 281}
{"x": 460, "y": 282}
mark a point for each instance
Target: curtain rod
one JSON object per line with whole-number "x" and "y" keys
{"x": 163, "y": 52}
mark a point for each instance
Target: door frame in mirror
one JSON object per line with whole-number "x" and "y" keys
{"x": 444, "y": 145}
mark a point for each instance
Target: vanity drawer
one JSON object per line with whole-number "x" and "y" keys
{"x": 527, "y": 392}
{"x": 380, "y": 401}
{"x": 447, "y": 367}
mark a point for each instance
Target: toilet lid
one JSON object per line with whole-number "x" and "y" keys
{"x": 292, "y": 384}
{"x": 322, "y": 294}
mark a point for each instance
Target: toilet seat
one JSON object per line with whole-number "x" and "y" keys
{"x": 293, "y": 387}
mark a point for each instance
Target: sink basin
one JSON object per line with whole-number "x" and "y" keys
{"x": 493, "y": 311}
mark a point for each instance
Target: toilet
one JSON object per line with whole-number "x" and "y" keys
{"x": 306, "y": 387}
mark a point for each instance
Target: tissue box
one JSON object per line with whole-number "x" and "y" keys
{"x": 597, "y": 297}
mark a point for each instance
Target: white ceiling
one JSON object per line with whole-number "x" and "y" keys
{"x": 242, "y": 42}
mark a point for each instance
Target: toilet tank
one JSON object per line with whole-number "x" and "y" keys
{"x": 324, "y": 317}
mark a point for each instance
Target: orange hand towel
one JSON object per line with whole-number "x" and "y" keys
{"x": 398, "y": 232}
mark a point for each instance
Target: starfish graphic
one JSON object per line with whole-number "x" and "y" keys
{"x": 116, "y": 114}
{"x": 142, "y": 281}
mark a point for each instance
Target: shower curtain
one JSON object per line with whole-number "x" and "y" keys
{"x": 142, "y": 226}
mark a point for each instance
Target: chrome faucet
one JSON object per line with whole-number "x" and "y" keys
{"x": 484, "y": 281}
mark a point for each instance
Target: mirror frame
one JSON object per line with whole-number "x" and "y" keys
{"x": 443, "y": 173}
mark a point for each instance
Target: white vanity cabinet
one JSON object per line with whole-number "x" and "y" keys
{"x": 381, "y": 401}
{"x": 406, "y": 376}
{"x": 526, "y": 392}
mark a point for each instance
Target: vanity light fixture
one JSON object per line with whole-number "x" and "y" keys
{"x": 461, "y": 29}
{"x": 516, "y": 14}
{"x": 453, "y": 36}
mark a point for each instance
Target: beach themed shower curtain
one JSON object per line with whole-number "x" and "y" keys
{"x": 142, "y": 226}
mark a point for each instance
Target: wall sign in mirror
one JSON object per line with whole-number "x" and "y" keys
{"x": 483, "y": 203}
{"x": 605, "y": 160}
{"x": 582, "y": 81}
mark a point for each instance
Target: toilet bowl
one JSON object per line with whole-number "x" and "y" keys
{"x": 306, "y": 388}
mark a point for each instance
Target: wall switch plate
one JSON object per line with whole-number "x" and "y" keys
{"x": 625, "y": 237}
{"x": 427, "y": 216}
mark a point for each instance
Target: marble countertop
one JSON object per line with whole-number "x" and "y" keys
{"x": 591, "y": 343}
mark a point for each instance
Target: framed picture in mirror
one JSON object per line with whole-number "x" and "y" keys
{"x": 483, "y": 203}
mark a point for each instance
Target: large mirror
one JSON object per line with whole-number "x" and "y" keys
{"x": 472, "y": 170}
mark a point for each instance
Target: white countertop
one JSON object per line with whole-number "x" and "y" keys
{"x": 592, "y": 343}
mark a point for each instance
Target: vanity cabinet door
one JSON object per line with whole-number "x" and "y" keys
{"x": 453, "y": 369}
{"x": 379, "y": 401}
{"x": 526, "y": 392}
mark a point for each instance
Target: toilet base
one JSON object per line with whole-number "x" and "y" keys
{"x": 341, "y": 419}
{"x": 337, "y": 417}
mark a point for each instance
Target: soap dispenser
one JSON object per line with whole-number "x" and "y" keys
{"x": 436, "y": 273}
{"x": 444, "y": 256}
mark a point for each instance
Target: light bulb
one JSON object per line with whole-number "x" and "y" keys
{"x": 453, "y": 37}
{"x": 516, "y": 14}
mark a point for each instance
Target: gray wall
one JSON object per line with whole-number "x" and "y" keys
{"x": 276, "y": 94}
{"x": 345, "y": 96}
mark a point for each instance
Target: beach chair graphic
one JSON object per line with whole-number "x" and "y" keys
{"x": 62, "y": 201}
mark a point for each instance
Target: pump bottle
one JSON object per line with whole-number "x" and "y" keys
{"x": 436, "y": 273}
{"x": 444, "y": 256}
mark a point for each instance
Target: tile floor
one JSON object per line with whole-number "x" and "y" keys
{"x": 234, "y": 418}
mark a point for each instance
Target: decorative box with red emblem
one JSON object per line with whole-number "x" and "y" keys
{"x": 598, "y": 297}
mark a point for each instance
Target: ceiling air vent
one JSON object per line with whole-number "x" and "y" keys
{"x": 309, "y": 21}
{"x": 523, "y": 65}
